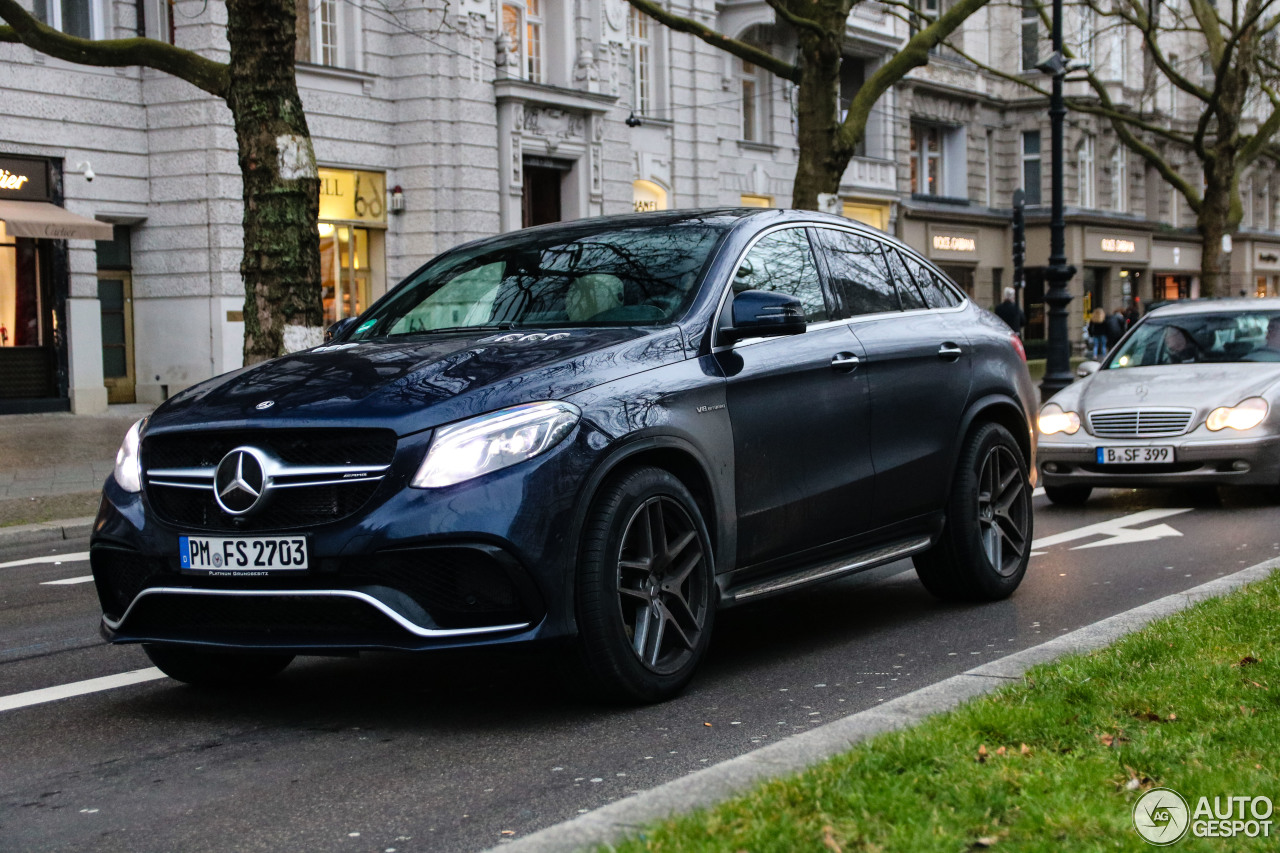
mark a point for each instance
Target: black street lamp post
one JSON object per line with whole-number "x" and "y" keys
{"x": 1057, "y": 374}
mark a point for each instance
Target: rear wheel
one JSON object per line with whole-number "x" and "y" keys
{"x": 986, "y": 542}
{"x": 1068, "y": 495}
{"x": 645, "y": 588}
{"x": 209, "y": 668}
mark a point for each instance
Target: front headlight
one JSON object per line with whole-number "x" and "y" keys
{"x": 1054, "y": 419}
{"x": 128, "y": 471}
{"x": 1246, "y": 415}
{"x": 494, "y": 441}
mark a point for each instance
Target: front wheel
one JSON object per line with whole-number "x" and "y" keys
{"x": 210, "y": 668}
{"x": 985, "y": 545}
{"x": 645, "y": 588}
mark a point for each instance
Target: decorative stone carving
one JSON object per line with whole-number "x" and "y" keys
{"x": 508, "y": 56}
{"x": 517, "y": 164}
{"x": 551, "y": 123}
{"x": 585, "y": 74}
{"x": 613, "y": 22}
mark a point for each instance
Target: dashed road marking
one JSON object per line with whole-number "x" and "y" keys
{"x": 51, "y": 558}
{"x": 78, "y": 688}
{"x": 68, "y": 581}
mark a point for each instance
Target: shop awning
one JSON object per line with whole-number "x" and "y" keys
{"x": 41, "y": 219}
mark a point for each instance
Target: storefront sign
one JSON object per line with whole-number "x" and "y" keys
{"x": 955, "y": 244}
{"x": 1111, "y": 246}
{"x": 24, "y": 179}
{"x": 347, "y": 195}
{"x": 1266, "y": 256}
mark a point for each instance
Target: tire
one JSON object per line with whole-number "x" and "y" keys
{"x": 645, "y": 595}
{"x": 985, "y": 545}
{"x": 1068, "y": 495}
{"x": 207, "y": 668}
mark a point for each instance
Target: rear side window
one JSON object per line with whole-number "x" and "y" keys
{"x": 783, "y": 261}
{"x": 907, "y": 291}
{"x": 937, "y": 293}
{"x": 860, "y": 280}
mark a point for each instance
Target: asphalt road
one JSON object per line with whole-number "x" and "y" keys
{"x": 458, "y": 752}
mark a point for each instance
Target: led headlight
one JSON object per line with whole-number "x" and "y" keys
{"x": 494, "y": 441}
{"x": 1246, "y": 415}
{"x": 1054, "y": 419}
{"x": 128, "y": 471}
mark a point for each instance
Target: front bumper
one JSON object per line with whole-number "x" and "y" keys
{"x": 480, "y": 563}
{"x": 1202, "y": 458}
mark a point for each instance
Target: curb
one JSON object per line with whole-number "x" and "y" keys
{"x": 715, "y": 784}
{"x": 45, "y": 531}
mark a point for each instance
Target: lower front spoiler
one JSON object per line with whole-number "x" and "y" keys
{"x": 1241, "y": 462}
{"x": 299, "y": 620}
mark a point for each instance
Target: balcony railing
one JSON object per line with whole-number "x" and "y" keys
{"x": 870, "y": 173}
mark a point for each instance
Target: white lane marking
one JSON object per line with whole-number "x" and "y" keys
{"x": 52, "y": 558}
{"x": 1117, "y": 530}
{"x": 78, "y": 688}
{"x": 67, "y": 581}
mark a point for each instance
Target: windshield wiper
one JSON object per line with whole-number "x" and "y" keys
{"x": 488, "y": 327}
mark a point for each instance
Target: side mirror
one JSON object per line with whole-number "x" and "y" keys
{"x": 1087, "y": 368}
{"x": 764, "y": 313}
{"x": 340, "y": 329}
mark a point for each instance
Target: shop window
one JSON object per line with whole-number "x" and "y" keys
{"x": 1031, "y": 166}
{"x": 749, "y": 200}
{"x": 81, "y": 18}
{"x": 329, "y": 33}
{"x": 875, "y": 215}
{"x": 647, "y": 196}
{"x": 344, "y": 271}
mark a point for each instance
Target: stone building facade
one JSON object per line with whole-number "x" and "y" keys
{"x": 435, "y": 123}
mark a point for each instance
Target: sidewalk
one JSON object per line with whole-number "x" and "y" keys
{"x": 52, "y": 467}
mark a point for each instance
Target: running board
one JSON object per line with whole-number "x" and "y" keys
{"x": 825, "y": 571}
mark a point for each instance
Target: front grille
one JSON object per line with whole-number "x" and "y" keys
{"x": 330, "y": 474}
{"x": 272, "y": 619}
{"x": 120, "y": 575}
{"x": 1140, "y": 423}
{"x": 458, "y": 587}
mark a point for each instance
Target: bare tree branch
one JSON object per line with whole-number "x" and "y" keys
{"x": 740, "y": 49}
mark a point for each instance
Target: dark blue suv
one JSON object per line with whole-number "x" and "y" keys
{"x": 600, "y": 431}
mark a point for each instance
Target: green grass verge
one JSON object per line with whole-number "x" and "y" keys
{"x": 1053, "y": 763}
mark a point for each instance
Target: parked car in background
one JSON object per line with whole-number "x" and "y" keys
{"x": 599, "y": 431}
{"x": 1187, "y": 398}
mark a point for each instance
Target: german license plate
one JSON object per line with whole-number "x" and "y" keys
{"x": 243, "y": 555}
{"x": 1142, "y": 454}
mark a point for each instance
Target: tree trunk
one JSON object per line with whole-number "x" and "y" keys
{"x": 822, "y": 159}
{"x": 281, "y": 263}
{"x": 1219, "y": 214}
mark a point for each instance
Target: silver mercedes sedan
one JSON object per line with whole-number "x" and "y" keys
{"x": 1188, "y": 397}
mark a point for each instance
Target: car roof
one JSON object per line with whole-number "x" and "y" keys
{"x": 1224, "y": 305}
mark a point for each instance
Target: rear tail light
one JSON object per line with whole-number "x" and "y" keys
{"x": 1017, "y": 345}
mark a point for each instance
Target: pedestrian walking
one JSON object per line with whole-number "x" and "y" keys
{"x": 1097, "y": 334}
{"x": 1009, "y": 311}
{"x": 1115, "y": 328}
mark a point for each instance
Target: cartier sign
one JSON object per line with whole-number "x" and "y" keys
{"x": 24, "y": 179}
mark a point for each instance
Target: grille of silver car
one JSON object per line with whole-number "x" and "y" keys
{"x": 1140, "y": 423}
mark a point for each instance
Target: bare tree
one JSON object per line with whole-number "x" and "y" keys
{"x": 826, "y": 142}
{"x": 1217, "y": 56}
{"x": 281, "y": 262}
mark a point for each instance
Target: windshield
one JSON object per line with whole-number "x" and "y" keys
{"x": 1198, "y": 338}
{"x": 616, "y": 276}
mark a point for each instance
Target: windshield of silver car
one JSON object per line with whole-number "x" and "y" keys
{"x": 1197, "y": 338}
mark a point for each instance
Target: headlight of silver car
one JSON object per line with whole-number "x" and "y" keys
{"x": 494, "y": 441}
{"x": 1245, "y": 415}
{"x": 128, "y": 472}
{"x": 1053, "y": 419}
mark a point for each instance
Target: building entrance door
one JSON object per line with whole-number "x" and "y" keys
{"x": 115, "y": 296}
{"x": 541, "y": 195}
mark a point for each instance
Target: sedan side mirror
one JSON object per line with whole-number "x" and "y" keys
{"x": 1087, "y": 368}
{"x": 764, "y": 313}
{"x": 340, "y": 329}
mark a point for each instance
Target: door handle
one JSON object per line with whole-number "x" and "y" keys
{"x": 845, "y": 361}
{"x": 950, "y": 351}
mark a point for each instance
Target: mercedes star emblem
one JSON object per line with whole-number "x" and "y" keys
{"x": 264, "y": 405}
{"x": 240, "y": 480}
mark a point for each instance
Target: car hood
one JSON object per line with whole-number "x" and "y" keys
{"x": 418, "y": 382}
{"x": 1198, "y": 386}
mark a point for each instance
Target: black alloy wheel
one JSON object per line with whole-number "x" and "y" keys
{"x": 985, "y": 544}
{"x": 646, "y": 594}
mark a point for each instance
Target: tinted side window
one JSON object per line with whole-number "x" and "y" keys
{"x": 783, "y": 261}
{"x": 907, "y": 292}
{"x": 860, "y": 280}
{"x": 937, "y": 293}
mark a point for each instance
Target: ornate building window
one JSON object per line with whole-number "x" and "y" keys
{"x": 329, "y": 33}
{"x": 81, "y": 18}
{"x": 638, "y": 35}
{"x": 1085, "y": 171}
